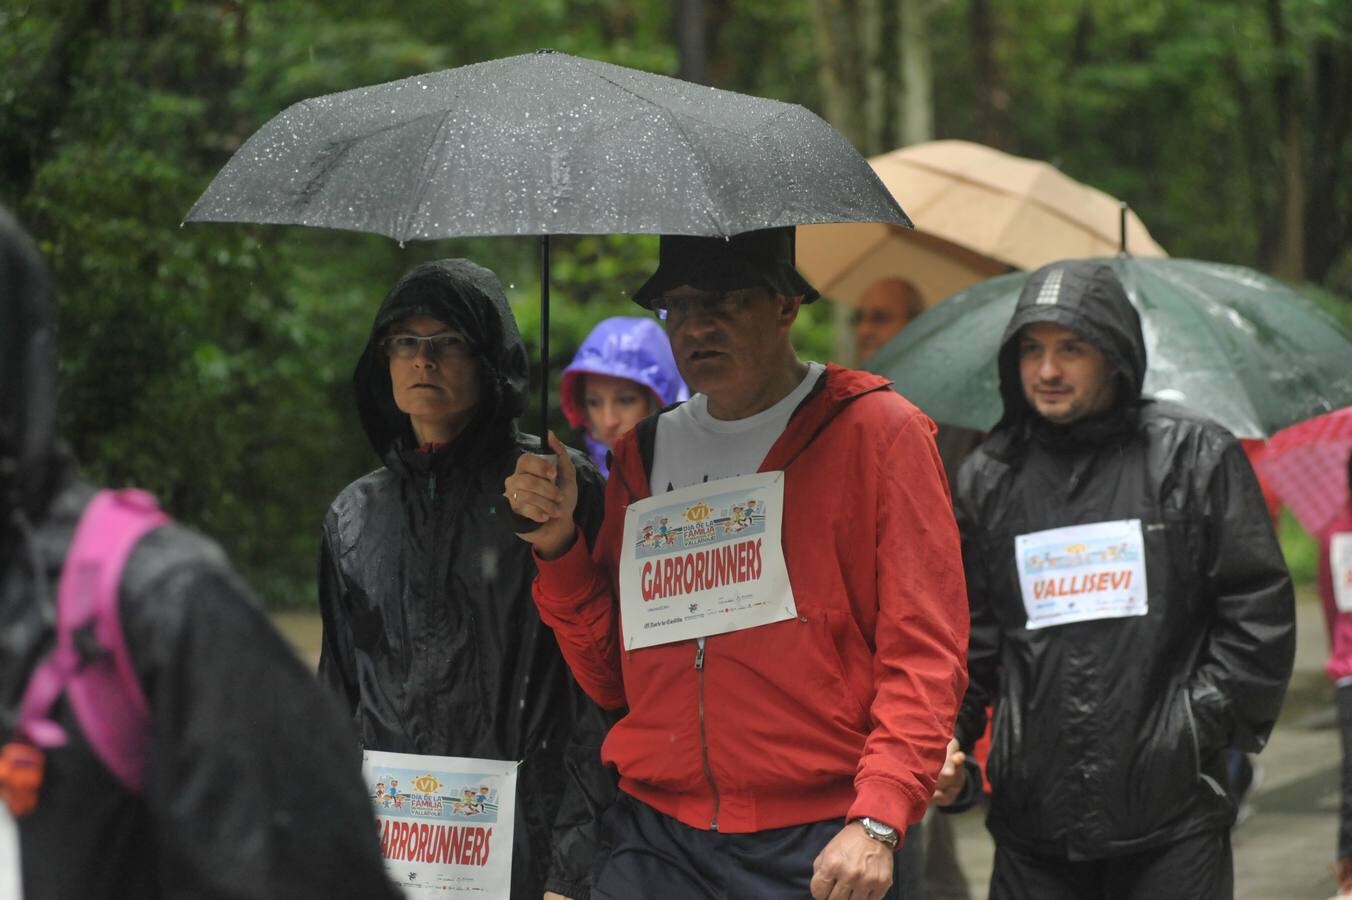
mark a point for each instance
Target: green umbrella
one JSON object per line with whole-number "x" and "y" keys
{"x": 1227, "y": 341}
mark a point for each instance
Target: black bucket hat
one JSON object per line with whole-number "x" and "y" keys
{"x": 751, "y": 259}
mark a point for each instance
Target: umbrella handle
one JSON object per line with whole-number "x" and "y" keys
{"x": 520, "y": 524}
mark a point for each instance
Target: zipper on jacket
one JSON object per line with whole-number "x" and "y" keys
{"x": 703, "y": 741}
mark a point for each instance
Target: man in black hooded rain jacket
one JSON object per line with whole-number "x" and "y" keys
{"x": 1113, "y": 706}
{"x": 252, "y": 785}
{"x": 430, "y": 633}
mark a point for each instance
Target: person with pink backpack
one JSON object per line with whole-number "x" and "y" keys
{"x": 157, "y": 737}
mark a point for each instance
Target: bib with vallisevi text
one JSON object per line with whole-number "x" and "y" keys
{"x": 1080, "y": 573}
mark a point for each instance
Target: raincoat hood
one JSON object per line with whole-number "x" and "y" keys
{"x": 1086, "y": 297}
{"x": 470, "y": 299}
{"x": 27, "y": 374}
{"x": 629, "y": 347}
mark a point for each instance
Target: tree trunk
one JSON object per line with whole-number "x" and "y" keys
{"x": 874, "y": 69}
{"x": 840, "y": 73}
{"x": 692, "y": 41}
{"x": 991, "y": 97}
{"x": 1328, "y": 211}
{"x": 838, "y": 66}
{"x": 917, "y": 82}
{"x": 873, "y": 79}
{"x": 1288, "y": 259}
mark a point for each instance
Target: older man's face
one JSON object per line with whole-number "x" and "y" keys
{"x": 725, "y": 341}
{"x": 1065, "y": 377}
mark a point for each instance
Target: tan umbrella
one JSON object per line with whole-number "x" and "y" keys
{"x": 979, "y": 212}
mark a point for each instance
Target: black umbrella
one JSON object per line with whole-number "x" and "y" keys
{"x": 543, "y": 144}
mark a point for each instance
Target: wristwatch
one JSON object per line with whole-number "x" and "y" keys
{"x": 880, "y": 832}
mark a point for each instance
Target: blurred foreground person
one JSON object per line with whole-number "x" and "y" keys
{"x": 239, "y": 778}
{"x": 1132, "y": 616}
{"x": 622, "y": 373}
{"x": 430, "y": 633}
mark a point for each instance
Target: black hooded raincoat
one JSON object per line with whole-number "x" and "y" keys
{"x": 252, "y": 785}
{"x": 1108, "y": 734}
{"x": 430, "y": 633}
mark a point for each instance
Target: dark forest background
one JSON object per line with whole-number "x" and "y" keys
{"x": 211, "y": 363}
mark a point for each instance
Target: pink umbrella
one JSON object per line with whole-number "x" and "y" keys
{"x": 1306, "y": 465}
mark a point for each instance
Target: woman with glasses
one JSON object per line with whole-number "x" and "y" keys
{"x": 431, "y": 638}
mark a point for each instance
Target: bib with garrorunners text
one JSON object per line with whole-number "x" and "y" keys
{"x": 1080, "y": 573}
{"x": 445, "y": 822}
{"x": 703, "y": 560}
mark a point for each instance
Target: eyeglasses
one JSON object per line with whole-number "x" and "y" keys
{"x": 877, "y": 317}
{"x": 710, "y": 304}
{"x": 442, "y": 345}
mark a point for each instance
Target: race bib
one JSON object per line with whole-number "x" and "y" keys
{"x": 1082, "y": 572}
{"x": 704, "y": 560}
{"x": 1340, "y": 568}
{"x": 445, "y": 822}
{"x": 11, "y": 868}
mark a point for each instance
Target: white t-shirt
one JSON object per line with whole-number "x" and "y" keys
{"x": 692, "y": 446}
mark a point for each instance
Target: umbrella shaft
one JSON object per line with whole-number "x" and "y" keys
{"x": 544, "y": 342}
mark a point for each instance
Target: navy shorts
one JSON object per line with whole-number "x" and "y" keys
{"x": 656, "y": 857}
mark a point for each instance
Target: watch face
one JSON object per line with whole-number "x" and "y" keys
{"x": 878, "y": 829}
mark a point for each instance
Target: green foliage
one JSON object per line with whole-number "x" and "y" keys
{"x": 211, "y": 363}
{"x": 1168, "y": 105}
{"x": 1299, "y": 549}
{"x": 1336, "y": 305}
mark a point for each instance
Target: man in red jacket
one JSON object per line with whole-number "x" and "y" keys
{"x": 790, "y": 677}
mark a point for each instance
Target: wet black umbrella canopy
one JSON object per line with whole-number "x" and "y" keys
{"x": 542, "y": 144}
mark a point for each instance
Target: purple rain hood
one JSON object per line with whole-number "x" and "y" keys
{"x": 632, "y": 347}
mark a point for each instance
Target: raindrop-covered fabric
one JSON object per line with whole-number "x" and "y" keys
{"x": 431, "y": 637}
{"x": 1225, "y": 341}
{"x": 545, "y": 143}
{"x": 632, "y": 347}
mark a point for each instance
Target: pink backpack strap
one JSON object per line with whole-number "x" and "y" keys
{"x": 103, "y": 690}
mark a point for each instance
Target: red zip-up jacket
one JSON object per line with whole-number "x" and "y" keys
{"x": 843, "y": 711}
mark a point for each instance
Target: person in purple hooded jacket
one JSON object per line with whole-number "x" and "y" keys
{"x": 623, "y": 371}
